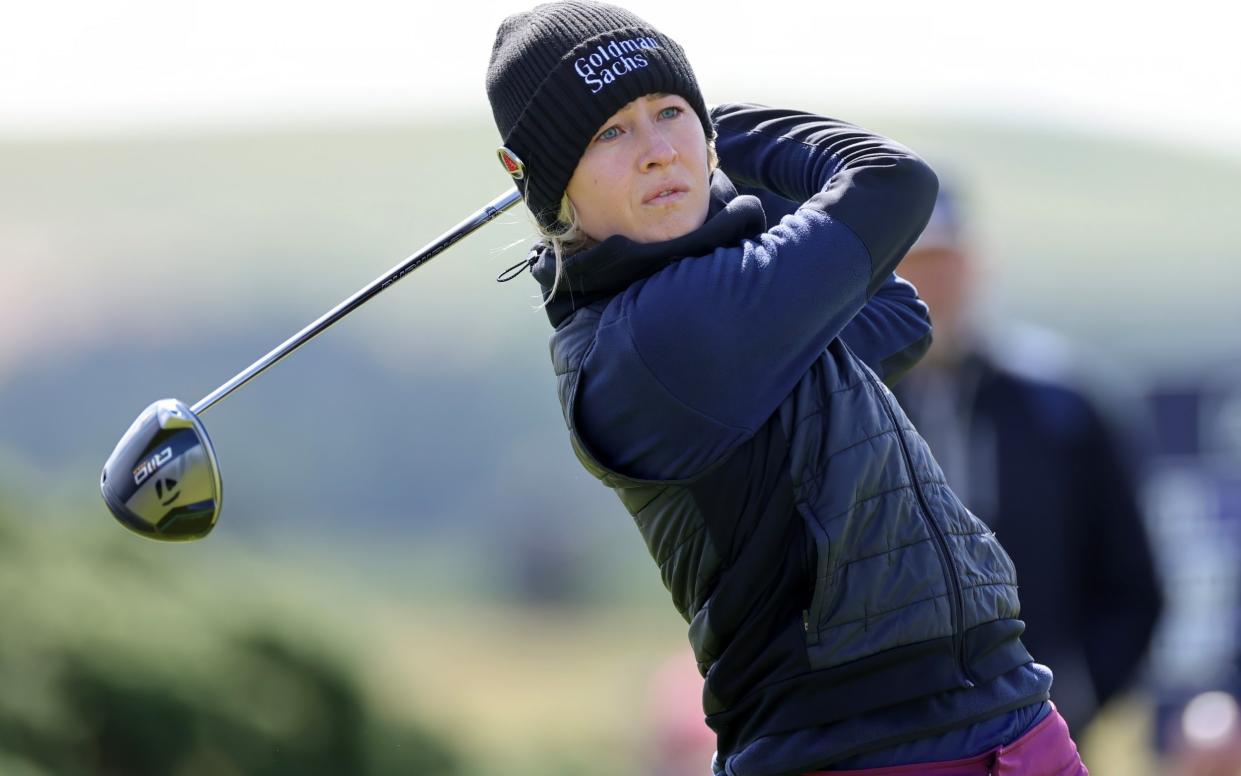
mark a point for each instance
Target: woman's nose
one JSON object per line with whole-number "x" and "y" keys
{"x": 658, "y": 150}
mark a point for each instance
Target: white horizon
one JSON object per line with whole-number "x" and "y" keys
{"x": 72, "y": 67}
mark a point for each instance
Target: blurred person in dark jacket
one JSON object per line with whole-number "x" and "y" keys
{"x": 1037, "y": 459}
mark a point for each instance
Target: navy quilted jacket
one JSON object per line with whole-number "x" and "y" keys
{"x": 729, "y": 385}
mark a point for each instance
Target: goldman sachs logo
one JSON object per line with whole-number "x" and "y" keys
{"x": 607, "y": 63}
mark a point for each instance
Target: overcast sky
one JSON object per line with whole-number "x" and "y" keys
{"x": 1171, "y": 74}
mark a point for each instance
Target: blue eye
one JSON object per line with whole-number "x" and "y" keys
{"x": 609, "y": 133}
{"x": 671, "y": 112}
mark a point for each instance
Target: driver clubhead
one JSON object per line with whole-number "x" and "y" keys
{"x": 162, "y": 480}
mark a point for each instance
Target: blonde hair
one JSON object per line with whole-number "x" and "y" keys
{"x": 571, "y": 238}
{"x": 564, "y": 242}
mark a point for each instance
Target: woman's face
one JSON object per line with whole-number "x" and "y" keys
{"x": 644, "y": 175}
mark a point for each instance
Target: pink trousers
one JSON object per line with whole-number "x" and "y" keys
{"x": 1047, "y": 749}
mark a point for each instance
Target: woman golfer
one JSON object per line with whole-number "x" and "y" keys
{"x": 724, "y": 369}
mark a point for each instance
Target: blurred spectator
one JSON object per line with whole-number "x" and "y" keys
{"x": 1193, "y": 496}
{"x": 1207, "y": 742}
{"x": 1035, "y": 458}
{"x": 677, "y": 740}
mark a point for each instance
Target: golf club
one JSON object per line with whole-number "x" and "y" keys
{"x": 163, "y": 480}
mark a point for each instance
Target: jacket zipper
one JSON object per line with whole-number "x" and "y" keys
{"x": 958, "y": 607}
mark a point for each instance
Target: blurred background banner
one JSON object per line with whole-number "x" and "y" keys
{"x": 412, "y": 572}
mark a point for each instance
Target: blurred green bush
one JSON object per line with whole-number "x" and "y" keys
{"x": 116, "y": 660}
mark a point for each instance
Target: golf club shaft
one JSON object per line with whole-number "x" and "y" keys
{"x": 487, "y": 213}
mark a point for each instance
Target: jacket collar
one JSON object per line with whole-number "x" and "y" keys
{"x": 609, "y": 267}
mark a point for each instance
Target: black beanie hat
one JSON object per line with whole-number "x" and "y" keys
{"x": 558, "y": 72}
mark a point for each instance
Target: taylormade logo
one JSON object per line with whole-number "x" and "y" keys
{"x": 607, "y": 63}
